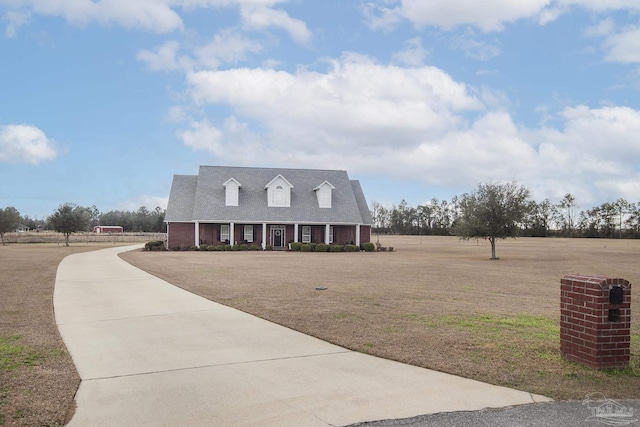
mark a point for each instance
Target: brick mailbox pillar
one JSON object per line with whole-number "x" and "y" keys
{"x": 595, "y": 321}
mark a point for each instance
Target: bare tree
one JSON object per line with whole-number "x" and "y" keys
{"x": 569, "y": 203}
{"x": 622, "y": 207}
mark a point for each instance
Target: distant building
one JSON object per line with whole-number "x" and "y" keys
{"x": 107, "y": 229}
{"x": 266, "y": 207}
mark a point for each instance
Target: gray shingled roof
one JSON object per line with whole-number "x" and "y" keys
{"x": 181, "y": 198}
{"x": 202, "y": 197}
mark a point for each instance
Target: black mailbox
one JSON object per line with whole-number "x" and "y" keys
{"x": 616, "y": 295}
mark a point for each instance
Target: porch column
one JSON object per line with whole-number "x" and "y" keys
{"x": 232, "y": 233}
{"x": 327, "y": 231}
{"x": 358, "y": 235}
{"x": 197, "y": 233}
{"x": 264, "y": 236}
{"x": 295, "y": 233}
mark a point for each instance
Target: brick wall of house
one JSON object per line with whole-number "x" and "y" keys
{"x": 365, "y": 234}
{"x": 593, "y": 331}
{"x": 209, "y": 234}
{"x": 181, "y": 234}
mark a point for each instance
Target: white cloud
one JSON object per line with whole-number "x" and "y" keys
{"x": 601, "y": 29}
{"x": 415, "y": 123}
{"x": 227, "y": 47}
{"x": 491, "y": 148}
{"x": 624, "y": 46}
{"x": 413, "y": 54}
{"x": 259, "y": 17}
{"x": 15, "y": 19}
{"x": 151, "y": 15}
{"x": 473, "y": 47}
{"x": 486, "y": 15}
{"x": 165, "y": 57}
{"x": 611, "y": 132}
{"x": 620, "y": 45}
{"x": 160, "y": 16}
{"x": 358, "y": 102}
{"x": 202, "y": 136}
{"x": 380, "y": 17}
{"x": 178, "y": 114}
{"x": 601, "y": 6}
{"x": 595, "y": 147}
{"x": 359, "y": 115}
{"x": 25, "y": 144}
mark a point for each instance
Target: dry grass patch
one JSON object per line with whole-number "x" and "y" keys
{"x": 436, "y": 302}
{"x": 37, "y": 377}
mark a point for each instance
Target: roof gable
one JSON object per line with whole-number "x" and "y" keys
{"x": 231, "y": 181}
{"x": 275, "y": 180}
{"x": 326, "y": 183}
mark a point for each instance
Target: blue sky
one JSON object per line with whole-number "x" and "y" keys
{"x": 102, "y": 101}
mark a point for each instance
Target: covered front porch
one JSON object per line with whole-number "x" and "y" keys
{"x": 277, "y": 236}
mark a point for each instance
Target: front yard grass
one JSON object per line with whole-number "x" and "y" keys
{"x": 37, "y": 376}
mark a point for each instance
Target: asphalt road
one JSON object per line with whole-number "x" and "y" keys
{"x": 585, "y": 413}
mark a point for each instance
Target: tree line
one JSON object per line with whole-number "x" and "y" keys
{"x": 618, "y": 219}
{"x": 70, "y": 218}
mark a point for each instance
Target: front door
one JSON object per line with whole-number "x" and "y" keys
{"x": 277, "y": 236}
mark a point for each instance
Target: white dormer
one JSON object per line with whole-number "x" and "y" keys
{"x": 323, "y": 193}
{"x": 232, "y": 188}
{"x": 279, "y": 192}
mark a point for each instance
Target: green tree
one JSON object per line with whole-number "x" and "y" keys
{"x": 94, "y": 216}
{"x": 493, "y": 211}
{"x": 69, "y": 218}
{"x": 9, "y": 221}
{"x": 157, "y": 220}
{"x": 633, "y": 220}
{"x": 540, "y": 217}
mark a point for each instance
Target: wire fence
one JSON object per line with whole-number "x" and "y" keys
{"x": 54, "y": 237}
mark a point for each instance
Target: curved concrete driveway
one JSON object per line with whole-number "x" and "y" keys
{"x": 150, "y": 353}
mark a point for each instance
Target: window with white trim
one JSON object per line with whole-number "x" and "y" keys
{"x": 331, "y": 234}
{"x": 278, "y": 196}
{"x": 248, "y": 233}
{"x": 224, "y": 232}
{"x": 306, "y": 234}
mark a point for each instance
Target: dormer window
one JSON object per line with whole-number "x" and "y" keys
{"x": 278, "y": 196}
{"x": 232, "y": 188}
{"x": 279, "y": 192}
{"x": 324, "y": 193}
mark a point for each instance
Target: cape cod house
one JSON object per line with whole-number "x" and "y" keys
{"x": 266, "y": 207}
